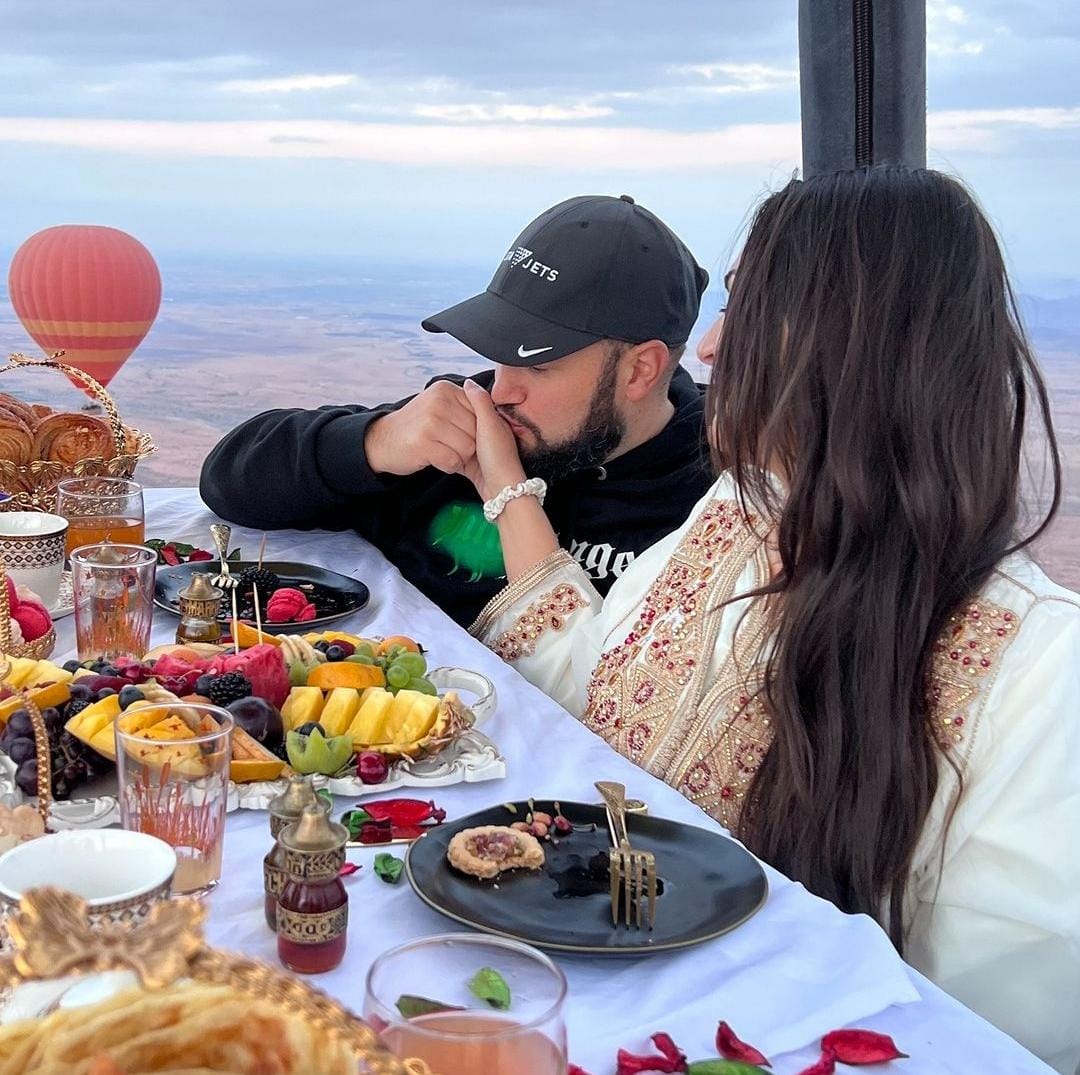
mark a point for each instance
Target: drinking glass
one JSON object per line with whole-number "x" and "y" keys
{"x": 101, "y": 509}
{"x": 113, "y": 588}
{"x": 530, "y": 1036}
{"x": 172, "y": 761}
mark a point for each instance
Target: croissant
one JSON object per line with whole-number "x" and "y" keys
{"x": 21, "y": 409}
{"x": 69, "y": 438}
{"x": 131, "y": 441}
{"x": 16, "y": 441}
{"x": 41, "y": 410}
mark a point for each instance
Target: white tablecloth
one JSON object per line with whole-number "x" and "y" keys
{"x": 796, "y": 970}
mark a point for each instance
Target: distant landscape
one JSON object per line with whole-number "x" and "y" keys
{"x": 232, "y": 340}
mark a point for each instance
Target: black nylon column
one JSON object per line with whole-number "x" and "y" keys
{"x": 862, "y": 83}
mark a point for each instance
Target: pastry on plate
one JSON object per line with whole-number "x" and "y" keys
{"x": 489, "y": 850}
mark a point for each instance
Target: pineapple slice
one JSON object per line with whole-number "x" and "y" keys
{"x": 302, "y": 705}
{"x": 420, "y": 719}
{"x": 342, "y": 705}
{"x": 21, "y": 672}
{"x": 47, "y": 672}
{"x": 372, "y": 719}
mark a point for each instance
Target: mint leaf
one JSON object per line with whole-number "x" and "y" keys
{"x": 155, "y": 543}
{"x": 490, "y": 985}
{"x": 234, "y": 555}
{"x": 411, "y": 1006}
{"x": 182, "y": 549}
{"x": 354, "y": 821}
{"x": 388, "y": 867}
{"x": 724, "y": 1067}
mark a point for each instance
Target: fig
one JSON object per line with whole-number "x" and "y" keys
{"x": 259, "y": 719}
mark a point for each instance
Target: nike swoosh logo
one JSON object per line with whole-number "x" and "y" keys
{"x": 522, "y": 353}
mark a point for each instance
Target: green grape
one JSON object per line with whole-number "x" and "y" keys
{"x": 360, "y": 658}
{"x": 424, "y": 686}
{"x": 413, "y": 663}
{"x": 395, "y": 651}
{"x": 365, "y": 649}
{"x": 397, "y": 677}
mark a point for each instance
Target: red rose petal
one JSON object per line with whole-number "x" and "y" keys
{"x": 825, "y": 1065}
{"x": 733, "y": 1048}
{"x": 861, "y": 1047}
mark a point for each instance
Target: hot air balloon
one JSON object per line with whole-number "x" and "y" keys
{"x": 88, "y": 290}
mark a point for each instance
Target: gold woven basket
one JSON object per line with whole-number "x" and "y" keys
{"x": 33, "y": 485}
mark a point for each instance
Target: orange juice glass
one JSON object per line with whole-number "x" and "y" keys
{"x": 101, "y": 509}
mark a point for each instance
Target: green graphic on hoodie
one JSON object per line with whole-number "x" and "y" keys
{"x": 472, "y": 543}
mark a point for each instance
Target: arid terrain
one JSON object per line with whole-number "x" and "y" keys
{"x": 232, "y": 341}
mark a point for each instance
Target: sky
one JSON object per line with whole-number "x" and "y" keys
{"x": 433, "y": 132}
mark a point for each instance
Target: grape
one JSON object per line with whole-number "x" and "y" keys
{"x": 413, "y": 663}
{"x": 105, "y": 692}
{"x": 424, "y": 686}
{"x": 26, "y": 777}
{"x": 80, "y": 692}
{"x": 202, "y": 685}
{"x": 365, "y": 649}
{"x": 129, "y": 695}
{"x": 20, "y": 750}
{"x": 19, "y": 723}
{"x": 51, "y": 716}
{"x": 71, "y": 666}
{"x": 360, "y": 658}
{"x": 335, "y": 653}
{"x": 397, "y": 677}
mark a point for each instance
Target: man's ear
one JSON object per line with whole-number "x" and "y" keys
{"x": 647, "y": 367}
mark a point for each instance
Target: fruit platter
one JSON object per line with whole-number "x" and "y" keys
{"x": 360, "y": 714}
{"x": 290, "y": 596}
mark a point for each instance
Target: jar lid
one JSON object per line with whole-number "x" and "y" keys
{"x": 291, "y": 802}
{"x": 314, "y": 832}
{"x": 200, "y": 589}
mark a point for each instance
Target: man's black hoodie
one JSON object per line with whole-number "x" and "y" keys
{"x": 306, "y": 469}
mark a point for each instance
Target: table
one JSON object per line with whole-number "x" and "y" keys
{"x": 796, "y": 970}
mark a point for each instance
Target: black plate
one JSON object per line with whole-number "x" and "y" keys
{"x": 711, "y": 885}
{"x": 349, "y": 594}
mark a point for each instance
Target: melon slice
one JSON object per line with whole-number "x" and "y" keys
{"x": 251, "y": 761}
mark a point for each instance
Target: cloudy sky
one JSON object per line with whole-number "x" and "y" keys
{"x": 427, "y": 130}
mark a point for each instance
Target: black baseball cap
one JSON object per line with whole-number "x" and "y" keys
{"x": 590, "y": 268}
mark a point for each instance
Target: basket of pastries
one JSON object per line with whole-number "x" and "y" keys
{"x": 161, "y": 1000}
{"x": 40, "y": 446}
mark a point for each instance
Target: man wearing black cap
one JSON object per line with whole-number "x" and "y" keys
{"x": 586, "y": 318}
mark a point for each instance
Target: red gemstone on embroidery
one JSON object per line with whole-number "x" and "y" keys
{"x": 985, "y": 663}
{"x": 644, "y": 692}
{"x": 1007, "y": 617}
{"x": 725, "y": 793}
{"x": 958, "y": 722}
{"x": 955, "y": 655}
{"x": 966, "y": 660}
{"x": 1001, "y": 632}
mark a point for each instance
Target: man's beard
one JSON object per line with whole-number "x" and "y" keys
{"x": 600, "y": 434}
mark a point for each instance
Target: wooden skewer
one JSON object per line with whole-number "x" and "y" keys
{"x": 262, "y": 552}
{"x": 258, "y": 614}
{"x": 235, "y": 623}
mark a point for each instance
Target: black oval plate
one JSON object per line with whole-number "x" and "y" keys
{"x": 351, "y": 594}
{"x": 711, "y": 885}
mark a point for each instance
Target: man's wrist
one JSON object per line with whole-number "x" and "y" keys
{"x": 497, "y": 485}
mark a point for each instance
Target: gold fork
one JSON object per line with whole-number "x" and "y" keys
{"x": 633, "y": 872}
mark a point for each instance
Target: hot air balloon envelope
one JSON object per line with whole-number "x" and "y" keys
{"x": 88, "y": 290}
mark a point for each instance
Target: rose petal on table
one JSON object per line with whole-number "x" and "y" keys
{"x": 824, "y": 1065}
{"x": 729, "y": 1045}
{"x": 671, "y": 1060}
{"x": 861, "y": 1047}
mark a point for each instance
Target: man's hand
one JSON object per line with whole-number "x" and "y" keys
{"x": 436, "y": 428}
{"x": 497, "y": 463}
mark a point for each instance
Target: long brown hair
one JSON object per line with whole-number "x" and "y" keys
{"x": 872, "y": 356}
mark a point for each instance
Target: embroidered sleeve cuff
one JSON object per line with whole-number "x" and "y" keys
{"x": 519, "y": 588}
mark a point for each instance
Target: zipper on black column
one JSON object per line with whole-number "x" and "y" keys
{"x": 862, "y": 27}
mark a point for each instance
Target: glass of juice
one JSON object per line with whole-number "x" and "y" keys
{"x": 172, "y": 761}
{"x": 101, "y": 509}
{"x": 113, "y": 590}
{"x": 407, "y": 987}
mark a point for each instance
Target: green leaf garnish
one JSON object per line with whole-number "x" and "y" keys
{"x": 234, "y": 555}
{"x": 412, "y": 1006}
{"x": 388, "y": 867}
{"x": 724, "y": 1067}
{"x": 182, "y": 549}
{"x": 354, "y": 820}
{"x": 155, "y": 543}
{"x": 490, "y": 985}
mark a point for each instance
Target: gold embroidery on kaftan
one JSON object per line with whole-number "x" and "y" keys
{"x": 549, "y": 613}
{"x": 650, "y": 696}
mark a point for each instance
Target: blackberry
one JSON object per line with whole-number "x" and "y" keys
{"x": 77, "y": 705}
{"x": 228, "y": 688}
{"x": 262, "y": 577}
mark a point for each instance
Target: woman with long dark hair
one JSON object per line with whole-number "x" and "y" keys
{"x": 844, "y": 655}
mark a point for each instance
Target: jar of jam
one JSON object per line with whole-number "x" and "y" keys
{"x": 199, "y": 604}
{"x": 313, "y": 907}
{"x": 284, "y": 810}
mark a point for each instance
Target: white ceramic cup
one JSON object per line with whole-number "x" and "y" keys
{"x": 120, "y": 874}
{"x": 32, "y": 549}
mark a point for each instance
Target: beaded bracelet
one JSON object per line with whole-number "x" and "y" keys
{"x": 536, "y": 487}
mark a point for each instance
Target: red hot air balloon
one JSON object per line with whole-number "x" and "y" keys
{"x": 88, "y": 290}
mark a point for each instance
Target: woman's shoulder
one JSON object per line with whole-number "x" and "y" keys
{"x": 1021, "y": 586}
